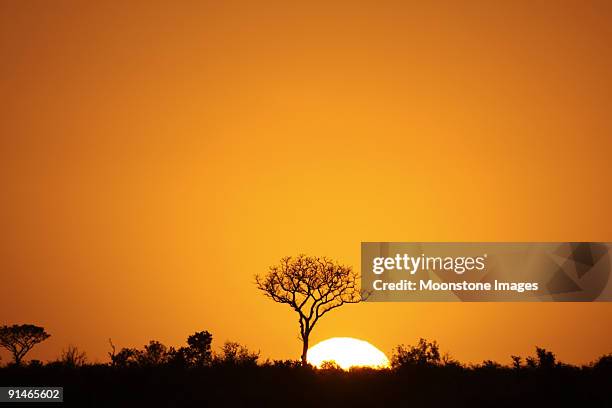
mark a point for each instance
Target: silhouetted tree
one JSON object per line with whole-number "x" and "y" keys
{"x": 20, "y": 339}
{"x": 198, "y": 352}
{"x": 423, "y": 354}
{"x": 311, "y": 286}
{"x": 125, "y": 357}
{"x": 546, "y": 359}
{"x": 543, "y": 359}
{"x": 153, "y": 354}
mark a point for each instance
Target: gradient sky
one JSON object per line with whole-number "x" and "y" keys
{"x": 155, "y": 156}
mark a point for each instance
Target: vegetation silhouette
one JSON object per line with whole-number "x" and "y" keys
{"x": 73, "y": 357}
{"x": 422, "y": 354}
{"x": 312, "y": 287}
{"x": 20, "y": 339}
{"x": 195, "y": 375}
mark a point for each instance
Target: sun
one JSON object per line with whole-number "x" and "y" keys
{"x": 347, "y": 352}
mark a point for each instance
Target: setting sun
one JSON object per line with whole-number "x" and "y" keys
{"x": 347, "y": 352}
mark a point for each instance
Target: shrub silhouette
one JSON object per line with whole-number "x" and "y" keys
{"x": 604, "y": 365}
{"x": 424, "y": 353}
{"x": 35, "y": 364}
{"x": 330, "y": 365}
{"x": 284, "y": 364}
{"x": 154, "y": 354}
{"x": 544, "y": 360}
{"x": 235, "y": 354}
{"x": 20, "y": 339}
{"x": 490, "y": 365}
{"x": 151, "y": 355}
{"x": 73, "y": 357}
{"x": 197, "y": 353}
{"x": 125, "y": 358}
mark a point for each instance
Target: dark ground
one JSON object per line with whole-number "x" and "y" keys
{"x": 289, "y": 386}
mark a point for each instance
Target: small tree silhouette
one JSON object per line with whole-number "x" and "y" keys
{"x": 198, "y": 352}
{"x": 311, "y": 286}
{"x": 126, "y": 357}
{"x": 153, "y": 354}
{"x": 546, "y": 359}
{"x": 20, "y": 339}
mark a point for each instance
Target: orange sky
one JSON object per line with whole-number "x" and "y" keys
{"x": 154, "y": 157}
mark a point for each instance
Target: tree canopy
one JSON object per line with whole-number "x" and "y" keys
{"x": 19, "y": 339}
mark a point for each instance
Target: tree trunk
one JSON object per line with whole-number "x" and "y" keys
{"x": 304, "y": 350}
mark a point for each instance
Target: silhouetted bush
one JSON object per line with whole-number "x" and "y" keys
{"x": 604, "y": 364}
{"x": 125, "y": 358}
{"x": 449, "y": 362}
{"x": 197, "y": 353}
{"x": 543, "y": 360}
{"x": 424, "y": 353}
{"x": 490, "y": 365}
{"x": 35, "y": 364}
{"x": 330, "y": 365}
{"x": 235, "y": 354}
{"x": 285, "y": 364}
{"x": 73, "y": 357}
